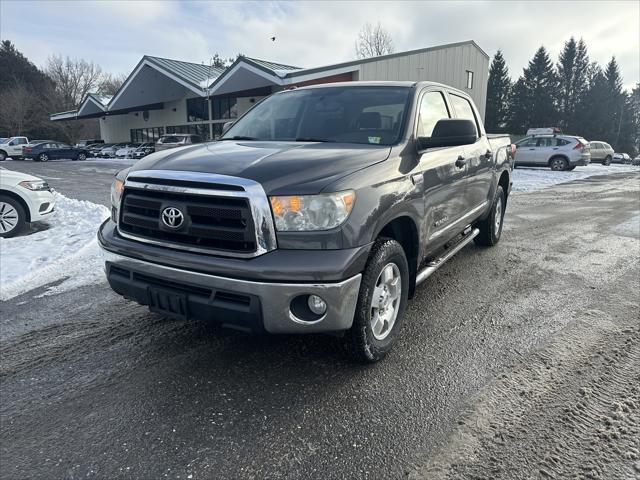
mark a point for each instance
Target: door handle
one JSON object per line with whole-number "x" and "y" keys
{"x": 461, "y": 161}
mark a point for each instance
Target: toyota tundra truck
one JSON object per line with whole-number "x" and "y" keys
{"x": 321, "y": 209}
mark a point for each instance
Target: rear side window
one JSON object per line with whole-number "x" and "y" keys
{"x": 562, "y": 142}
{"x": 432, "y": 109}
{"x": 464, "y": 110}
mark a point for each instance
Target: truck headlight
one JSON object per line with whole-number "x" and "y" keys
{"x": 299, "y": 213}
{"x": 35, "y": 185}
{"x": 117, "y": 187}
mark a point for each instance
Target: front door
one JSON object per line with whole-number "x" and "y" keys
{"x": 443, "y": 172}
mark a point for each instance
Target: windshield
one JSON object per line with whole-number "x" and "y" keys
{"x": 350, "y": 114}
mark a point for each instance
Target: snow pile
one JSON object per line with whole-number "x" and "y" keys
{"x": 67, "y": 251}
{"x": 531, "y": 179}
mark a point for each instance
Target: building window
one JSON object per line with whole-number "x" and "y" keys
{"x": 224, "y": 108}
{"x": 197, "y": 110}
{"x": 469, "y": 79}
{"x": 146, "y": 135}
{"x": 201, "y": 129}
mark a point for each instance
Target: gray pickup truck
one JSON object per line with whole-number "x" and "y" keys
{"x": 319, "y": 210}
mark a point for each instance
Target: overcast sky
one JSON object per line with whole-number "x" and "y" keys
{"x": 116, "y": 34}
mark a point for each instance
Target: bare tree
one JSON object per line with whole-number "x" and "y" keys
{"x": 110, "y": 83}
{"x": 373, "y": 41}
{"x": 73, "y": 78}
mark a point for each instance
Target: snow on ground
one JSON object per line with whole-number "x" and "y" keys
{"x": 66, "y": 252}
{"x": 531, "y": 179}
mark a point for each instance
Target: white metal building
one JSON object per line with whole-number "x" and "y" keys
{"x": 170, "y": 96}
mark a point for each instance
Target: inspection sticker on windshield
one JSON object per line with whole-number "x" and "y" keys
{"x": 374, "y": 139}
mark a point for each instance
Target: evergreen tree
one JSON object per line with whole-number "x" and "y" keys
{"x": 592, "y": 108}
{"x": 498, "y": 91}
{"x": 534, "y": 95}
{"x": 573, "y": 77}
{"x": 613, "y": 115}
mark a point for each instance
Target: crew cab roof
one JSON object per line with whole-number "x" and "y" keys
{"x": 381, "y": 83}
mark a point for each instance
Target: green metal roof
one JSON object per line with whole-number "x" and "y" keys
{"x": 194, "y": 73}
{"x": 271, "y": 65}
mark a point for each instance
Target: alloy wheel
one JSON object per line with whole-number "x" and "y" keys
{"x": 8, "y": 217}
{"x": 385, "y": 303}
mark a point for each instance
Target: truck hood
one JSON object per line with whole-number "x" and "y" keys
{"x": 281, "y": 167}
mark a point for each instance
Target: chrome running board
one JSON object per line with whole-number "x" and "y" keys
{"x": 431, "y": 267}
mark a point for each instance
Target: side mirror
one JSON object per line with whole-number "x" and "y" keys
{"x": 226, "y": 126}
{"x": 450, "y": 132}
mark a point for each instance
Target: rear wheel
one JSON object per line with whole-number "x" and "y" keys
{"x": 43, "y": 157}
{"x": 607, "y": 160}
{"x": 381, "y": 302}
{"x": 82, "y": 156}
{"x": 3, "y": 156}
{"x": 13, "y": 218}
{"x": 558, "y": 164}
{"x": 491, "y": 227}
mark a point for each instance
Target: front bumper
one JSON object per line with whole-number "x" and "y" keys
{"x": 245, "y": 304}
{"x": 41, "y": 204}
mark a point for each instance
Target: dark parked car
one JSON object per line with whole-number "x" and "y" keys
{"x": 319, "y": 210}
{"x": 43, "y": 152}
{"x": 87, "y": 143}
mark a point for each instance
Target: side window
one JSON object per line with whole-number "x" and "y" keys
{"x": 562, "y": 142}
{"x": 22, "y": 141}
{"x": 528, "y": 142}
{"x": 432, "y": 109}
{"x": 463, "y": 109}
{"x": 546, "y": 142}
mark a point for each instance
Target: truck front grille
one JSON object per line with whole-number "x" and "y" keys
{"x": 209, "y": 222}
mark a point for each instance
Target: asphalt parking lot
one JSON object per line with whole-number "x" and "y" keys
{"x": 94, "y": 386}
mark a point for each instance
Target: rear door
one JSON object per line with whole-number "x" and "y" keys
{"x": 479, "y": 157}
{"x": 443, "y": 175}
{"x": 596, "y": 151}
{"x": 526, "y": 151}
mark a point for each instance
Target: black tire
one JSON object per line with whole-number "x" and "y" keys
{"x": 607, "y": 161}
{"x": 3, "y": 156}
{"x": 362, "y": 345}
{"x": 558, "y": 164}
{"x": 20, "y": 158}
{"x": 490, "y": 228}
{"x": 11, "y": 224}
{"x": 82, "y": 157}
{"x": 43, "y": 157}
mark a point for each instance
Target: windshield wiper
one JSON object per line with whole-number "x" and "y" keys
{"x": 311, "y": 139}
{"x": 238, "y": 137}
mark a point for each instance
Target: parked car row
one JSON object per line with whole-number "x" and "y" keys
{"x": 548, "y": 147}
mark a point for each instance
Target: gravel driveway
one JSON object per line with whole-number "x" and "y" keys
{"x": 93, "y": 386}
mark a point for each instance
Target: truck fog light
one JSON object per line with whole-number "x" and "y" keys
{"x": 317, "y": 305}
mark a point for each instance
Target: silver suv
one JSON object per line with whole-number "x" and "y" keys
{"x": 559, "y": 152}
{"x": 601, "y": 152}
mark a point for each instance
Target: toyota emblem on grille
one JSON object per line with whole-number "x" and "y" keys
{"x": 172, "y": 217}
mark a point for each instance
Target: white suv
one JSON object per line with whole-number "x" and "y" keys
{"x": 559, "y": 152}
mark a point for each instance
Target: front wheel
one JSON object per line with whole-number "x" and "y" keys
{"x": 491, "y": 227}
{"x": 3, "y": 156}
{"x": 13, "y": 218}
{"x": 82, "y": 157}
{"x": 381, "y": 302}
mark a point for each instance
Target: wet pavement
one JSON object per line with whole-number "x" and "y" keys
{"x": 93, "y": 386}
